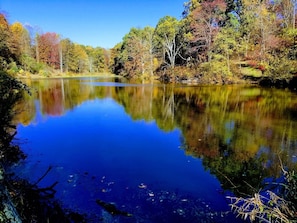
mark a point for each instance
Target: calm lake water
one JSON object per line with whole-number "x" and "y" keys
{"x": 162, "y": 153}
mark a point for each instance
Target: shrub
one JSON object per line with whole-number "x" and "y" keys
{"x": 44, "y": 72}
{"x": 281, "y": 68}
{"x": 215, "y": 67}
{"x": 30, "y": 64}
{"x": 12, "y": 69}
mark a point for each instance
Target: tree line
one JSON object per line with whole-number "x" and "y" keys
{"x": 214, "y": 38}
{"x": 227, "y": 38}
{"x": 24, "y": 49}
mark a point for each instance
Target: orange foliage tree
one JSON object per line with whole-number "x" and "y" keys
{"x": 48, "y": 49}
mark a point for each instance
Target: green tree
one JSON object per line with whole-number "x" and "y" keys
{"x": 167, "y": 39}
{"x": 224, "y": 47}
{"x": 67, "y": 48}
{"x": 96, "y": 59}
{"x": 78, "y": 60}
{"x": 233, "y": 9}
{"x": 117, "y": 58}
{"x": 148, "y": 36}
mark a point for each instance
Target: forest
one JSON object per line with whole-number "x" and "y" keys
{"x": 215, "y": 41}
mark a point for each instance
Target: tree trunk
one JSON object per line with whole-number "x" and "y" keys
{"x": 37, "y": 49}
{"x": 61, "y": 58}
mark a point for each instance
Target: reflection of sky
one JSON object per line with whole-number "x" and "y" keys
{"x": 98, "y": 151}
{"x": 229, "y": 126}
{"x": 38, "y": 117}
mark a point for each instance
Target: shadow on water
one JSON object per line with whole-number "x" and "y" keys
{"x": 158, "y": 153}
{"x": 22, "y": 201}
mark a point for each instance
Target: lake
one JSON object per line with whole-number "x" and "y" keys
{"x": 162, "y": 153}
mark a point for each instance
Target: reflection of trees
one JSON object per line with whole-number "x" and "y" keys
{"x": 168, "y": 105}
{"x": 165, "y": 108}
{"x": 137, "y": 101}
{"x": 239, "y": 132}
{"x": 240, "y": 135}
{"x": 57, "y": 96}
{"x": 25, "y": 110}
{"x": 241, "y": 176}
{"x": 149, "y": 103}
{"x": 51, "y": 99}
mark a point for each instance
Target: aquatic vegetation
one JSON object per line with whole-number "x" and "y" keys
{"x": 270, "y": 206}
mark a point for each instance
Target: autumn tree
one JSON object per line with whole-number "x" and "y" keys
{"x": 204, "y": 20}
{"x": 138, "y": 51}
{"x": 21, "y": 38}
{"x": 16, "y": 39}
{"x": 6, "y": 52}
{"x": 129, "y": 53}
{"x": 22, "y": 45}
{"x": 135, "y": 55}
{"x": 287, "y": 10}
{"x": 260, "y": 30}
{"x": 48, "y": 49}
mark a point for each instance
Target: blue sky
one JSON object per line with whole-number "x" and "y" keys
{"x": 90, "y": 22}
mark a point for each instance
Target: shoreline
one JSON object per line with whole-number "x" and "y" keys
{"x": 53, "y": 76}
{"x": 263, "y": 81}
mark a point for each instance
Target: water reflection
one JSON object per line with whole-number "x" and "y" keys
{"x": 239, "y": 132}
